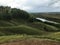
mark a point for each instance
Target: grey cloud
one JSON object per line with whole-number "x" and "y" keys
{"x": 34, "y": 5}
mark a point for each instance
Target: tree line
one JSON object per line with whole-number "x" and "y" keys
{"x": 8, "y": 13}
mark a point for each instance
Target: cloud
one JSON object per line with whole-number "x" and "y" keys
{"x": 54, "y": 3}
{"x": 33, "y": 5}
{"x": 13, "y": 3}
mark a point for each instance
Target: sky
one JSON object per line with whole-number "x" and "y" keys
{"x": 33, "y": 5}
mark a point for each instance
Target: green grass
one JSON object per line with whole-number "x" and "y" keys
{"x": 11, "y": 30}
{"x": 11, "y": 38}
{"x": 43, "y": 26}
{"x": 5, "y": 23}
{"x": 55, "y": 35}
{"x": 35, "y": 28}
{"x": 21, "y": 25}
{"x": 22, "y": 29}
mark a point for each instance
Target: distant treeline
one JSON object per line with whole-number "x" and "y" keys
{"x": 49, "y": 13}
{"x": 8, "y": 13}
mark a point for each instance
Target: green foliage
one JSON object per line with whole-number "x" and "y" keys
{"x": 7, "y": 13}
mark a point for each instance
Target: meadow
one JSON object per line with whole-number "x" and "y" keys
{"x": 16, "y": 25}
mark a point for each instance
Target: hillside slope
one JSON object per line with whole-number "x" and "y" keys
{"x": 17, "y": 22}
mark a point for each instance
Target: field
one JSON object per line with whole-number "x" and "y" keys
{"x": 22, "y": 33}
{"x": 21, "y": 28}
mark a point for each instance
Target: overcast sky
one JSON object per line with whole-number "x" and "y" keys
{"x": 34, "y": 5}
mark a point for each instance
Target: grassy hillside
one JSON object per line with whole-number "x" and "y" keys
{"x": 16, "y": 24}
{"x": 34, "y": 28}
{"x": 21, "y": 29}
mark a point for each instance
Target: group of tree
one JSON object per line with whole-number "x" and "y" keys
{"x": 8, "y": 13}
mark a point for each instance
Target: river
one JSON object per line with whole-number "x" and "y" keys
{"x": 45, "y": 20}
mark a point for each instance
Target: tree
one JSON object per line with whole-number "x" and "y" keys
{"x": 17, "y": 13}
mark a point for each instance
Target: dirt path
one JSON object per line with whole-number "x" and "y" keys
{"x": 32, "y": 42}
